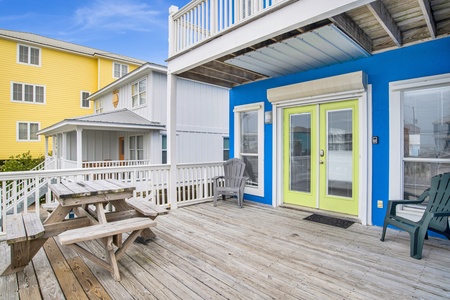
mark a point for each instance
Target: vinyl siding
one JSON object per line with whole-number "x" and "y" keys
{"x": 64, "y": 75}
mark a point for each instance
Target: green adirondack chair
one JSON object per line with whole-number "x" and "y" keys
{"x": 435, "y": 217}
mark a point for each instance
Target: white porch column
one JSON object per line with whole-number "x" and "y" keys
{"x": 46, "y": 147}
{"x": 171, "y": 138}
{"x": 79, "y": 148}
{"x": 63, "y": 151}
{"x": 55, "y": 149}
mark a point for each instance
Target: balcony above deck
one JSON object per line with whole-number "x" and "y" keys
{"x": 233, "y": 42}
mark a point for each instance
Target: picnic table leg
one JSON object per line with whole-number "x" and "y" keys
{"x": 111, "y": 257}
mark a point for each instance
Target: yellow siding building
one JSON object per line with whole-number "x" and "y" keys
{"x": 43, "y": 81}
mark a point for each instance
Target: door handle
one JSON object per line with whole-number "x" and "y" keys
{"x": 321, "y": 153}
{"x": 321, "y": 162}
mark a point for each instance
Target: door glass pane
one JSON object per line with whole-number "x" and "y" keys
{"x": 339, "y": 158}
{"x": 300, "y": 152}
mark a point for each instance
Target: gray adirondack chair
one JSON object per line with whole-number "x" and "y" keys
{"x": 435, "y": 217}
{"x": 233, "y": 181}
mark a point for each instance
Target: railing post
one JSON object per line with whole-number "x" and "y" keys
{"x": 171, "y": 138}
{"x": 173, "y": 31}
{"x": 213, "y": 17}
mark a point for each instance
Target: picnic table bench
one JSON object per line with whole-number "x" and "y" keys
{"x": 21, "y": 230}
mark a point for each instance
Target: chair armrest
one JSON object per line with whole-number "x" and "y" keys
{"x": 392, "y": 204}
{"x": 441, "y": 214}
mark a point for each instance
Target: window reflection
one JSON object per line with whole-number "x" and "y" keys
{"x": 426, "y": 136}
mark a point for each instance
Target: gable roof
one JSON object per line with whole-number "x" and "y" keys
{"x": 43, "y": 41}
{"x": 122, "y": 119}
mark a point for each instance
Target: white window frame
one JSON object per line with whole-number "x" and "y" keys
{"x": 163, "y": 149}
{"x": 135, "y": 147}
{"x": 23, "y": 93}
{"x": 98, "y": 106}
{"x": 396, "y": 159}
{"x": 121, "y": 70}
{"x": 226, "y": 148}
{"x": 139, "y": 93}
{"x": 259, "y": 107}
{"x": 81, "y": 99}
{"x": 28, "y": 131}
{"x": 29, "y": 55}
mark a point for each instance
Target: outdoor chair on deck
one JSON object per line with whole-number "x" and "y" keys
{"x": 435, "y": 216}
{"x": 233, "y": 181}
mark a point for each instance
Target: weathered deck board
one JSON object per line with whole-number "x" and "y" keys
{"x": 258, "y": 252}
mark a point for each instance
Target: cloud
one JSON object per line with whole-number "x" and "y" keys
{"x": 118, "y": 16}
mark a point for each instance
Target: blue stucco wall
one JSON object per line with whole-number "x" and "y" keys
{"x": 426, "y": 59}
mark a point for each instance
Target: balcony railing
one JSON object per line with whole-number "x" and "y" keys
{"x": 201, "y": 20}
{"x": 193, "y": 184}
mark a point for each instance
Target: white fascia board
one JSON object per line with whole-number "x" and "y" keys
{"x": 70, "y": 125}
{"x": 298, "y": 14}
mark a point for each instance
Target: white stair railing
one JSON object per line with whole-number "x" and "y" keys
{"x": 18, "y": 191}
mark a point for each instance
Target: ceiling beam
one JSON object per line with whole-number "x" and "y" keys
{"x": 386, "y": 21}
{"x": 349, "y": 27}
{"x": 207, "y": 79}
{"x": 429, "y": 18}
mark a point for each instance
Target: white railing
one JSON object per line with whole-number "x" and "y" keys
{"x": 115, "y": 163}
{"x": 201, "y": 20}
{"x": 19, "y": 190}
{"x": 194, "y": 183}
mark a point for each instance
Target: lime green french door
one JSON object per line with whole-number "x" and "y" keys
{"x": 320, "y": 160}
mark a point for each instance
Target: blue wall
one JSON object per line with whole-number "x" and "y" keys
{"x": 426, "y": 59}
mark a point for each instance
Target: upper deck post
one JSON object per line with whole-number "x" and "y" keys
{"x": 171, "y": 118}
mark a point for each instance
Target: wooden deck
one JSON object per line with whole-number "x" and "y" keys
{"x": 258, "y": 252}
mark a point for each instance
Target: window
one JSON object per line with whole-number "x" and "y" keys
{"x": 29, "y": 55}
{"x": 164, "y": 149}
{"x": 420, "y": 110}
{"x": 28, "y": 93}
{"x": 84, "y": 102}
{"x": 98, "y": 107}
{"x": 249, "y": 134}
{"x": 119, "y": 70}
{"x": 226, "y": 148}
{"x": 139, "y": 92}
{"x": 27, "y": 131}
{"x": 136, "y": 147}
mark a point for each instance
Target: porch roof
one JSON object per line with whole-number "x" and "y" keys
{"x": 123, "y": 120}
{"x": 295, "y": 36}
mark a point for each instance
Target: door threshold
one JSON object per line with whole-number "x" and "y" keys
{"x": 322, "y": 212}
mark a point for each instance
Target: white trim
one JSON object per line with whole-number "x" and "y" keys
{"x": 121, "y": 64}
{"x": 137, "y": 81}
{"x": 396, "y": 143}
{"x": 81, "y": 100}
{"x": 29, "y": 53}
{"x": 259, "y": 107}
{"x": 365, "y": 130}
{"x": 23, "y": 93}
{"x": 28, "y": 131}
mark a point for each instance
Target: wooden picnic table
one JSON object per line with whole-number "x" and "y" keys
{"x": 88, "y": 200}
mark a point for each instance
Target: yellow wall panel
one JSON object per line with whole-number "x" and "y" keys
{"x": 64, "y": 75}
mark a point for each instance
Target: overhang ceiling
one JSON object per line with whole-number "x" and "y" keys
{"x": 382, "y": 25}
{"x": 311, "y": 50}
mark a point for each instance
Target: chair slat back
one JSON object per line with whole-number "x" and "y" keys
{"x": 439, "y": 200}
{"x": 233, "y": 170}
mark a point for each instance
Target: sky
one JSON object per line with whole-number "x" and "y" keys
{"x": 135, "y": 28}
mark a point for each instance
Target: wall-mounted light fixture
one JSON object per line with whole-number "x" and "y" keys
{"x": 268, "y": 117}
